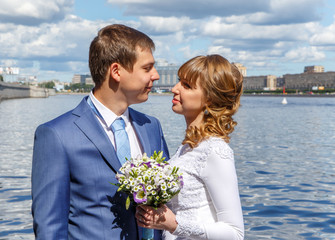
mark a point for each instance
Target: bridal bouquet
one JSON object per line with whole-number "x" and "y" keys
{"x": 149, "y": 180}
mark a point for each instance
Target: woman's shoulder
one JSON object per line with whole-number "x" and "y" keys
{"x": 211, "y": 145}
{"x": 214, "y": 143}
{"x": 217, "y": 146}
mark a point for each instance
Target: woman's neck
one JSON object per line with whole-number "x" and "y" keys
{"x": 195, "y": 122}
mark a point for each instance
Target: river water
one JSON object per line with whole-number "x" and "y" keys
{"x": 285, "y": 160}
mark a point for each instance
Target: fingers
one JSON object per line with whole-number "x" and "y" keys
{"x": 140, "y": 219}
{"x": 146, "y": 212}
{"x": 143, "y": 218}
{"x": 162, "y": 218}
{"x": 149, "y": 216}
{"x": 142, "y": 222}
{"x": 145, "y": 208}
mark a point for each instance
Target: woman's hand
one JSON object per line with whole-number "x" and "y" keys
{"x": 162, "y": 218}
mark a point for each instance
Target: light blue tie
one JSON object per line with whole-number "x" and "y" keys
{"x": 121, "y": 140}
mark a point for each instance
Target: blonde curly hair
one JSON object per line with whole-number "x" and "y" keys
{"x": 222, "y": 85}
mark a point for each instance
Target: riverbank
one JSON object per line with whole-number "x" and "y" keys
{"x": 87, "y": 93}
{"x": 244, "y": 94}
{"x": 13, "y": 91}
{"x": 289, "y": 95}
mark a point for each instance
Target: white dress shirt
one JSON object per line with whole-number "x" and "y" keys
{"x": 108, "y": 118}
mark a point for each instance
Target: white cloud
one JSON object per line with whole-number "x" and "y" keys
{"x": 264, "y": 35}
{"x": 226, "y": 52}
{"x": 131, "y": 2}
{"x": 188, "y": 53}
{"x": 163, "y": 25}
{"x": 33, "y": 12}
{"x": 60, "y": 48}
{"x": 257, "y": 11}
{"x": 8, "y": 62}
{"x": 219, "y": 27}
{"x": 193, "y": 8}
{"x": 291, "y": 12}
{"x": 305, "y": 54}
{"x": 48, "y": 40}
{"x": 324, "y": 36}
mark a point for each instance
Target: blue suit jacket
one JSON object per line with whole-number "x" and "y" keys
{"x": 74, "y": 164}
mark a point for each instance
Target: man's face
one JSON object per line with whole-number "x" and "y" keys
{"x": 137, "y": 84}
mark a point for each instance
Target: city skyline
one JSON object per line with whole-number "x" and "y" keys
{"x": 50, "y": 40}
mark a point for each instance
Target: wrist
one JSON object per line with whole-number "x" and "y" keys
{"x": 173, "y": 226}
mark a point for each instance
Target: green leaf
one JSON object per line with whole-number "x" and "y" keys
{"x": 127, "y": 203}
{"x": 160, "y": 154}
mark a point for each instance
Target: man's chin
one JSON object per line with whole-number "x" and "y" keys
{"x": 141, "y": 99}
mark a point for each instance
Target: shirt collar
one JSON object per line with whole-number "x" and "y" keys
{"x": 108, "y": 115}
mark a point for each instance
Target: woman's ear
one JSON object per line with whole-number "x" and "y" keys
{"x": 114, "y": 71}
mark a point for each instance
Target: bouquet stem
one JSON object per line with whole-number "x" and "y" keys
{"x": 147, "y": 234}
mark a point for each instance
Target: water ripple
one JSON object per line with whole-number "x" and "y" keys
{"x": 284, "y": 158}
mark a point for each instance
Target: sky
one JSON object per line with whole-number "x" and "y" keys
{"x": 50, "y": 39}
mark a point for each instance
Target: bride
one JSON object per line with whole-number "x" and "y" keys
{"x": 208, "y": 206}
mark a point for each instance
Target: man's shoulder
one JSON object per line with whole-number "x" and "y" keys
{"x": 140, "y": 116}
{"x": 64, "y": 118}
{"x": 59, "y": 119}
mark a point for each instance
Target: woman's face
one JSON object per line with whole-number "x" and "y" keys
{"x": 188, "y": 101}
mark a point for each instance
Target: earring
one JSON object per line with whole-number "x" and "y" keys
{"x": 206, "y": 112}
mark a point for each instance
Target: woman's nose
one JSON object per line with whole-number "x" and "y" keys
{"x": 175, "y": 89}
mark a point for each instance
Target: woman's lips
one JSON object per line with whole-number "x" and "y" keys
{"x": 175, "y": 101}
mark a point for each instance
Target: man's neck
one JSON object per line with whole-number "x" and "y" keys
{"x": 111, "y": 100}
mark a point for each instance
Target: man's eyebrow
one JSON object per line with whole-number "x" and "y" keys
{"x": 148, "y": 64}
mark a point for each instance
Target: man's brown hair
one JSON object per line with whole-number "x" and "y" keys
{"x": 115, "y": 44}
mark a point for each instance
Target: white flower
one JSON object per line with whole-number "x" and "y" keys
{"x": 163, "y": 187}
{"x": 165, "y": 195}
{"x": 149, "y": 180}
{"x": 167, "y": 170}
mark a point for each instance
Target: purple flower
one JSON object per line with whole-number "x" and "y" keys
{"x": 148, "y": 164}
{"x": 141, "y": 195}
{"x": 181, "y": 182}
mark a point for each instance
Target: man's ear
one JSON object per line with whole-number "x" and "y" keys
{"x": 114, "y": 71}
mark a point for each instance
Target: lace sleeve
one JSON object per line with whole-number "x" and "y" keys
{"x": 189, "y": 228}
{"x": 220, "y": 179}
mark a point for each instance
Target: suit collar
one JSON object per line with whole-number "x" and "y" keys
{"x": 91, "y": 127}
{"x": 138, "y": 122}
{"x": 106, "y": 115}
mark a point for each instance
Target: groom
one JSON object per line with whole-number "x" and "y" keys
{"x": 75, "y": 156}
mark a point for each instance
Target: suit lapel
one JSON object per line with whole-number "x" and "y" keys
{"x": 91, "y": 127}
{"x": 141, "y": 132}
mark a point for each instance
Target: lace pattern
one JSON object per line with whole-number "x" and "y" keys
{"x": 194, "y": 196}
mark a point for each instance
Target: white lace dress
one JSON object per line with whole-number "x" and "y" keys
{"x": 208, "y": 206}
